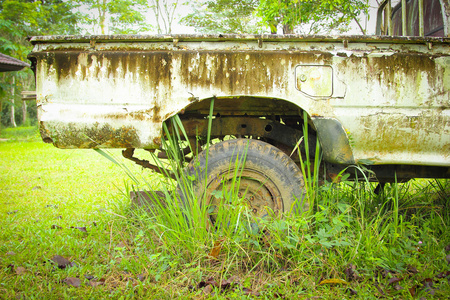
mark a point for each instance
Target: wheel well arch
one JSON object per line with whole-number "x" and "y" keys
{"x": 277, "y": 121}
{"x": 249, "y": 105}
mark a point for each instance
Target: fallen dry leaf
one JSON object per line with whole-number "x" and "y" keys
{"x": 443, "y": 274}
{"x": 335, "y": 178}
{"x": 412, "y": 291}
{"x": 215, "y": 251}
{"x": 82, "y": 229}
{"x": 73, "y": 281}
{"x": 412, "y": 270}
{"x": 141, "y": 277}
{"x": 10, "y": 253}
{"x": 233, "y": 280}
{"x": 427, "y": 283}
{"x": 380, "y": 290}
{"x": 278, "y": 295}
{"x": 350, "y": 272}
{"x": 56, "y": 227}
{"x": 249, "y": 292}
{"x": 211, "y": 281}
{"x": 394, "y": 280}
{"x": 230, "y": 284}
{"x": 20, "y": 270}
{"x": 207, "y": 290}
{"x": 95, "y": 282}
{"x": 61, "y": 261}
{"x": 333, "y": 281}
{"x": 383, "y": 272}
{"x": 12, "y": 212}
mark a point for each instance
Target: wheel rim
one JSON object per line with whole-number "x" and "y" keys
{"x": 256, "y": 191}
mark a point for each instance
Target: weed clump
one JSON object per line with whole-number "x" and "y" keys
{"x": 350, "y": 238}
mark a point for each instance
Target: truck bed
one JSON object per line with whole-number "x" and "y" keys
{"x": 386, "y": 98}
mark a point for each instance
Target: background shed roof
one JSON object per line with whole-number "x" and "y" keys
{"x": 8, "y": 63}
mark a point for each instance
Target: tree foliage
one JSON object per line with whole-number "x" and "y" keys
{"x": 114, "y": 16}
{"x": 223, "y": 16}
{"x": 164, "y": 12}
{"x": 22, "y": 18}
{"x": 311, "y": 16}
{"x": 293, "y": 16}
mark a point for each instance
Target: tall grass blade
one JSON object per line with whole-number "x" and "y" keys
{"x": 118, "y": 163}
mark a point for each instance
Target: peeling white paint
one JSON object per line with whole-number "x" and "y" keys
{"x": 383, "y": 92}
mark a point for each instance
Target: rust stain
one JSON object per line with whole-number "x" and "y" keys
{"x": 45, "y": 133}
{"x": 150, "y": 115}
{"x": 401, "y": 133}
{"x": 247, "y": 72}
{"x": 96, "y": 136}
{"x": 136, "y": 42}
{"x": 157, "y": 141}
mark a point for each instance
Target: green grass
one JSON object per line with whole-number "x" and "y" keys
{"x": 364, "y": 242}
{"x": 43, "y": 187}
{"x": 22, "y": 133}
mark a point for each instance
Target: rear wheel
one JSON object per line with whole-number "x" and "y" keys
{"x": 263, "y": 176}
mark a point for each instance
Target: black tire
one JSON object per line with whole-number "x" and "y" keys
{"x": 268, "y": 177}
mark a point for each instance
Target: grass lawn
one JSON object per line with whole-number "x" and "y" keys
{"x": 69, "y": 231}
{"x": 45, "y": 194}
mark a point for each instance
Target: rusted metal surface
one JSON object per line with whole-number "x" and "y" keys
{"x": 433, "y": 18}
{"x": 414, "y": 18}
{"x": 132, "y": 42}
{"x": 129, "y": 154}
{"x": 244, "y": 126}
{"x": 390, "y": 95}
{"x": 336, "y": 146}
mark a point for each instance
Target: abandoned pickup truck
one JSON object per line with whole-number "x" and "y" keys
{"x": 380, "y": 101}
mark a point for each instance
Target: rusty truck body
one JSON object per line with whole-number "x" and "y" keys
{"x": 382, "y": 101}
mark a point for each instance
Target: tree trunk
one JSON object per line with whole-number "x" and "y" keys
{"x": 24, "y": 112}
{"x": 1, "y": 109}
{"x": 13, "y": 88}
{"x": 287, "y": 29}
{"x": 102, "y": 15}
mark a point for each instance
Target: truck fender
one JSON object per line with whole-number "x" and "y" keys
{"x": 333, "y": 140}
